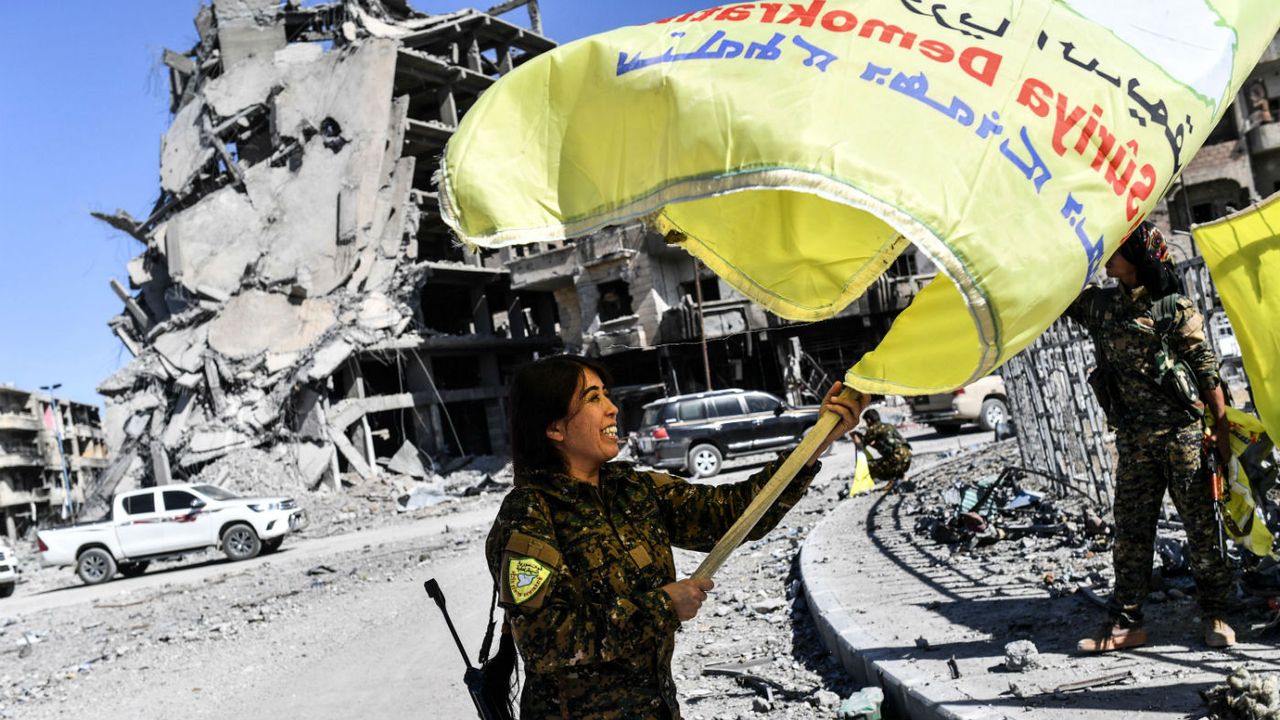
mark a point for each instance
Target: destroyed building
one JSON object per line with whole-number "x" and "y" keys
{"x": 629, "y": 298}
{"x": 298, "y": 292}
{"x": 296, "y": 289}
{"x": 1240, "y": 160}
{"x": 32, "y": 484}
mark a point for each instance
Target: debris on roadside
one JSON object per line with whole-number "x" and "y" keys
{"x": 1245, "y": 696}
{"x": 1089, "y": 683}
{"x": 1021, "y": 656}
{"x": 862, "y": 705}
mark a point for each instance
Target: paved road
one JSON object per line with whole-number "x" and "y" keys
{"x": 381, "y": 651}
{"x": 25, "y": 600}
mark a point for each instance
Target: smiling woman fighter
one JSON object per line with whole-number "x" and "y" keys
{"x": 581, "y": 548}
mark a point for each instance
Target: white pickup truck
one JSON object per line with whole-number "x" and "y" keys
{"x": 8, "y": 571}
{"x": 166, "y": 522}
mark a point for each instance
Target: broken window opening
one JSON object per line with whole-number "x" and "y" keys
{"x": 615, "y": 300}
{"x": 455, "y": 372}
{"x": 710, "y": 289}
{"x": 1224, "y": 131}
{"x": 905, "y": 265}
{"x": 472, "y": 426}
{"x": 1203, "y": 213}
{"x": 447, "y": 309}
{"x": 390, "y": 429}
{"x": 435, "y": 244}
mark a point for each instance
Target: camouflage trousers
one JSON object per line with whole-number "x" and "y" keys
{"x": 1149, "y": 463}
{"x": 891, "y": 467}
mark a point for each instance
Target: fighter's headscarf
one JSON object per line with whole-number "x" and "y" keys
{"x": 1146, "y": 250}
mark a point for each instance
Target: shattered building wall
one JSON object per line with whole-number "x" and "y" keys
{"x": 31, "y": 463}
{"x": 1240, "y": 161}
{"x": 629, "y": 297}
{"x": 297, "y": 290}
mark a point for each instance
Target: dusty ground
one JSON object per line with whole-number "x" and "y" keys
{"x": 337, "y": 622}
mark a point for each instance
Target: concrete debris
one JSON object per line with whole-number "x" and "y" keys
{"x": 295, "y": 259}
{"x": 1021, "y": 655}
{"x": 256, "y": 322}
{"x": 768, "y": 605}
{"x": 408, "y": 461}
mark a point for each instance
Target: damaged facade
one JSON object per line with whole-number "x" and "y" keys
{"x": 297, "y": 289}
{"x": 31, "y": 463}
{"x": 629, "y": 298}
{"x": 1240, "y": 161}
{"x": 298, "y": 292}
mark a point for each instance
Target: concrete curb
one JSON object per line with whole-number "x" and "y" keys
{"x": 908, "y": 694}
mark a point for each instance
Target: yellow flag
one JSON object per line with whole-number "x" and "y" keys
{"x": 862, "y": 480}
{"x": 797, "y": 148}
{"x": 1252, "y": 473}
{"x": 1243, "y": 255}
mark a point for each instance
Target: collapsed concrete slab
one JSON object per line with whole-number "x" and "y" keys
{"x": 285, "y": 261}
{"x": 257, "y": 322}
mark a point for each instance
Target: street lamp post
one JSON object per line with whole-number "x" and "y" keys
{"x": 67, "y": 507}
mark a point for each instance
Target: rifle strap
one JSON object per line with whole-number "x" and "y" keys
{"x": 488, "y": 633}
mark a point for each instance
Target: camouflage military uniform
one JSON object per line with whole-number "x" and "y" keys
{"x": 580, "y": 572}
{"x": 895, "y": 452}
{"x": 1158, "y": 444}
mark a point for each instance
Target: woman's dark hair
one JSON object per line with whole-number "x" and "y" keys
{"x": 1145, "y": 249}
{"x": 541, "y": 393}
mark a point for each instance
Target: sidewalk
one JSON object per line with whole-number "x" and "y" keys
{"x": 896, "y": 608}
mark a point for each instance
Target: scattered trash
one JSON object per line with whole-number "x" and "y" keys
{"x": 1091, "y": 596}
{"x": 862, "y": 705}
{"x": 953, "y": 667}
{"x": 1174, "y": 559}
{"x": 486, "y": 484}
{"x": 422, "y": 495}
{"x": 1021, "y": 656}
{"x": 763, "y": 685}
{"x": 321, "y": 570}
{"x": 1111, "y": 679}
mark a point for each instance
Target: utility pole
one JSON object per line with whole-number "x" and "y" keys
{"x": 702, "y": 323}
{"x": 67, "y": 507}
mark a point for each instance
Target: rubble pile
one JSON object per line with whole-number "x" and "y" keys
{"x": 1245, "y": 696}
{"x": 1017, "y": 522}
{"x": 731, "y": 661}
{"x": 285, "y": 241}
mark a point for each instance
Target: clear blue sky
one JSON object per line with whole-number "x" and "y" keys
{"x": 85, "y": 101}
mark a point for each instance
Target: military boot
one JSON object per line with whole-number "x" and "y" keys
{"x": 1113, "y": 636}
{"x": 1218, "y": 634}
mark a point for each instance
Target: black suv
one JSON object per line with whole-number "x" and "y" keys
{"x": 697, "y": 432}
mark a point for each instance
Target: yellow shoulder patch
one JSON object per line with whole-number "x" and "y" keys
{"x": 525, "y": 576}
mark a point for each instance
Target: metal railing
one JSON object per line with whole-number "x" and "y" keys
{"x": 1061, "y": 429}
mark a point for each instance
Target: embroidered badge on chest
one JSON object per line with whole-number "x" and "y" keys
{"x": 525, "y": 576}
